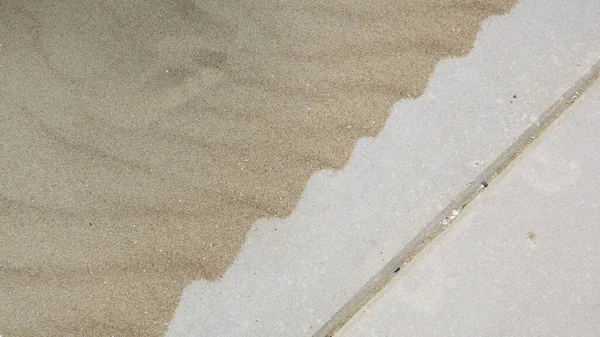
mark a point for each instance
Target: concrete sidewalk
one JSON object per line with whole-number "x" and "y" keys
{"x": 305, "y": 274}
{"x": 521, "y": 260}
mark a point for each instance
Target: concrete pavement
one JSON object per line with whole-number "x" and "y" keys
{"x": 303, "y": 275}
{"x": 521, "y": 260}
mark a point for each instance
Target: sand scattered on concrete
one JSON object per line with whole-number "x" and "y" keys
{"x": 140, "y": 140}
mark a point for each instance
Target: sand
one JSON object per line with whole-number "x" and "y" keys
{"x": 140, "y": 140}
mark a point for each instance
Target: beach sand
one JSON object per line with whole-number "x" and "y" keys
{"x": 140, "y": 140}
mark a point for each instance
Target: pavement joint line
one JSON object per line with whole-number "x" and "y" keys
{"x": 445, "y": 218}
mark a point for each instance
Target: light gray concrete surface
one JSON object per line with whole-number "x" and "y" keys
{"x": 522, "y": 260}
{"x": 292, "y": 275}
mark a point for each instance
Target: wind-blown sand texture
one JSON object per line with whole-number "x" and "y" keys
{"x": 140, "y": 140}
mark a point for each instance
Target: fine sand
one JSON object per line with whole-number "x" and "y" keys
{"x": 140, "y": 140}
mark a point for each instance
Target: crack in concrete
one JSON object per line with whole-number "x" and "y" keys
{"x": 445, "y": 218}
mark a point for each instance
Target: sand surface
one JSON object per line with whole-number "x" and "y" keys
{"x": 140, "y": 140}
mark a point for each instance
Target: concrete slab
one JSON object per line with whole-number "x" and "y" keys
{"x": 522, "y": 260}
{"x": 293, "y": 275}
